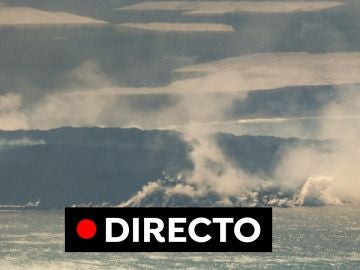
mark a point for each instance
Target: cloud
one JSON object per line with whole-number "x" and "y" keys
{"x": 224, "y": 7}
{"x": 175, "y": 27}
{"x": 263, "y": 71}
{"x": 23, "y": 17}
{"x": 200, "y": 99}
{"x": 268, "y": 120}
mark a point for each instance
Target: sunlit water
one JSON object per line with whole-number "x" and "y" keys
{"x": 303, "y": 238}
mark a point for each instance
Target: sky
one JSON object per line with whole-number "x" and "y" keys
{"x": 288, "y": 68}
{"x": 137, "y": 63}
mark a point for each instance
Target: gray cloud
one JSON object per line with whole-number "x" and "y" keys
{"x": 254, "y": 72}
{"x": 23, "y": 17}
{"x": 175, "y": 27}
{"x": 110, "y": 106}
{"x": 224, "y": 7}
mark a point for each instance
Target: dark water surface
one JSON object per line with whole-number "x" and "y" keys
{"x": 304, "y": 238}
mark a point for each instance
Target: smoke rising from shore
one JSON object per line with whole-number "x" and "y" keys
{"x": 305, "y": 176}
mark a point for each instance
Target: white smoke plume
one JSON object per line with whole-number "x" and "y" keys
{"x": 305, "y": 175}
{"x": 317, "y": 190}
{"x": 11, "y": 116}
{"x": 340, "y": 180}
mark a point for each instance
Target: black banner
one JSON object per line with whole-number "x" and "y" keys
{"x": 168, "y": 229}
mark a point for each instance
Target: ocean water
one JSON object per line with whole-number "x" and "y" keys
{"x": 303, "y": 238}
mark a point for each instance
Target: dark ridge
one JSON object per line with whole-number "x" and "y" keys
{"x": 67, "y": 166}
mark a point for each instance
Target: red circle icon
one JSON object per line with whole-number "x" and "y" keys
{"x": 86, "y": 229}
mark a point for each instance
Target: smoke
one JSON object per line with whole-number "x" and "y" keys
{"x": 305, "y": 175}
{"x": 11, "y": 116}
{"x": 338, "y": 165}
{"x": 58, "y": 109}
{"x": 88, "y": 75}
{"x": 19, "y": 142}
{"x": 21, "y": 206}
{"x": 317, "y": 190}
{"x": 213, "y": 174}
{"x": 89, "y": 98}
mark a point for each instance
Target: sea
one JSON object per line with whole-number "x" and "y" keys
{"x": 303, "y": 238}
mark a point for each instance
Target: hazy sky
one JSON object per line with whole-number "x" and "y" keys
{"x": 143, "y": 63}
{"x": 197, "y": 66}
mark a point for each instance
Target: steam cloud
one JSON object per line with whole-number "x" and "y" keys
{"x": 305, "y": 175}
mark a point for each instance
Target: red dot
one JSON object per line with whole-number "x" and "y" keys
{"x": 86, "y": 229}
